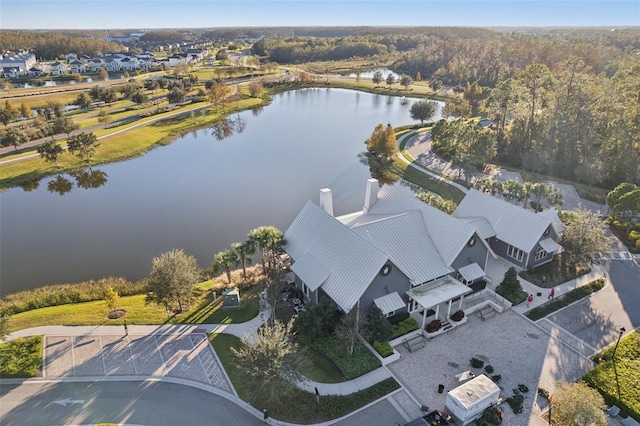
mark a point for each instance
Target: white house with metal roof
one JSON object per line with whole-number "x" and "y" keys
{"x": 398, "y": 253}
{"x": 523, "y": 237}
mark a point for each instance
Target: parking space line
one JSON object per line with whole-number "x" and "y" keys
{"x": 104, "y": 366}
{"x": 204, "y": 370}
{"x": 164, "y": 364}
{"x": 135, "y": 369}
{"x": 73, "y": 356}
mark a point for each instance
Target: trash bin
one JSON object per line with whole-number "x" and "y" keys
{"x": 440, "y": 388}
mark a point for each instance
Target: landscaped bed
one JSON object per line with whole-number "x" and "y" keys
{"x": 21, "y": 358}
{"x": 298, "y": 406}
{"x": 553, "y": 273}
{"x": 627, "y": 366}
{"x": 565, "y": 300}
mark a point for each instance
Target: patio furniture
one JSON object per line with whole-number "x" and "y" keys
{"x": 414, "y": 343}
{"x": 298, "y": 308}
{"x": 485, "y": 313}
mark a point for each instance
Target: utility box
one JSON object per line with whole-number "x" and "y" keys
{"x": 468, "y": 401}
{"x": 231, "y": 298}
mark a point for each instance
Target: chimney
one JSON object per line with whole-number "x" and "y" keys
{"x": 371, "y": 195}
{"x": 326, "y": 200}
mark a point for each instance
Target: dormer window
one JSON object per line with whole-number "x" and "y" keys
{"x": 385, "y": 270}
{"x": 472, "y": 241}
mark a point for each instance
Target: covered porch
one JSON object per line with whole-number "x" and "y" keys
{"x": 432, "y": 298}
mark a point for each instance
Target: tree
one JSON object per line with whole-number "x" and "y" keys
{"x": 510, "y": 287}
{"x": 269, "y": 240}
{"x": 176, "y": 95}
{"x": 418, "y": 76}
{"x": 25, "y": 111}
{"x": 391, "y": 79}
{"x": 173, "y": 277}
{"x": 377, "y": 328}
{"x": 348, "y": 331}
{"x": 243, "y": 252}
{"x": 103, "y": 74}
{"x": 217, "y": 93}
{"x": 358, "y": 78}
{"x": 222, "y": 261}
{"x": 382, "y": 147}
{"x": 140, "y": 97}
{"x": 576, "y": 404}
{"x": 64, "y": 125}
{"x": 256, "y": 89}
{"x": 473, "y": 94}
{"x": 108, "y": 96}
{"x": 83, "y": 101}
{"x": 434, "y": 200}
{"x": 104, "y": 117}
{"x": 584, "y": 238}
{"x": 423, "y": 110}
{"x": 377, "y": 78}
{"x": 271, "y": 361}
{"x": 111, "y": 299}
{"x": 50, "y": 152}
{"x": 13, "y": 137}
{"x": 276, "y": 284}
{"x": 624, "y": 203}
{"x": 317, "y": 320}
{"x": 95, "y": 92}
{"x": 83, "y": 145}
{"x": 406, "y": 81}
{"x": 151, "y": 85}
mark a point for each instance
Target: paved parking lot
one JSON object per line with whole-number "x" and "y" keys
{"x": 518, "y": 350}
{"x": 184, "y": 356}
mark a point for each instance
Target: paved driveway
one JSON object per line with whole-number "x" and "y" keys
{"x": 519, "y": 351}
{"x": 184, "y": 356}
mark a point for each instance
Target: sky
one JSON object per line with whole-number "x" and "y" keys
{"x": 148, "y": 14}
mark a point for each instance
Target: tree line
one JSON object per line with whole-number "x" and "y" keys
{"x": 54, "y": 45}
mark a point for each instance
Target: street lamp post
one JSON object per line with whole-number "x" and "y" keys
{"x": 613, "y": 357}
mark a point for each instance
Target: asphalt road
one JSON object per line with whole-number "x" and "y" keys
{"x": 133, "y": 403}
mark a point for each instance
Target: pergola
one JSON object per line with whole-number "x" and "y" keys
{"x": 433, "y": 293}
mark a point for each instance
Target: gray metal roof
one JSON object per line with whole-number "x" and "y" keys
{"x": 405, "y": 240}
{"x": 311, "y": 271}
{"x": 448, "y": 234}
{"x": 389, "y": 303}
{"x": 353, "y": 261}
{"x": 482, "y": 225}
{"x": 549, "y": 245}
{"x": 552, "y": 215}
{"x": 471, "y": 272}
{"x": 442, "y": 290}
{"x": 514, "y": 225}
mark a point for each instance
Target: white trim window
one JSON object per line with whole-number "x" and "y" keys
{"x": 515, "y": 253}
{"x": 540, "y": 253}
{"x": 389, "y": 314}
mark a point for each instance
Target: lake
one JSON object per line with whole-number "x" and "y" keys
{"x": 199, "y": 193}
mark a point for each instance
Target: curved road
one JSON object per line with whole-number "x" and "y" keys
{"x": 133, "y": 403}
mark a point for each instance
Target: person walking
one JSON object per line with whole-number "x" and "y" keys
{"x": 529, "y": 300}
{"x": 265, "y": 417}
{"x": 126, "y": 329}
{"x": 552, "y": 293}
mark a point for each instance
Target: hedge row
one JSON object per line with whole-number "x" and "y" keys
{"x": 565, "y": 300}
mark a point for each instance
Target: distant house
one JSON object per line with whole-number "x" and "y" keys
{"x": 77, "y": 67}
{"x": 11, "y": 72}
{"x": 95, "y": 64}
{"x": 129, "y": 64}
{"x": 398, "y": 253}
{"x": 71, "y": 57}
{"x": 112, "y": 64}
{"x": 35, "y": 72}
{"x": 17, "y": 65}
{"x": 58, "y": 68}
{"x": 523, "y": 237}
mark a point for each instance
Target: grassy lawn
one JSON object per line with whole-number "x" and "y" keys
{"x": 303, "y": 411}
{"x": 203, "y": 311}
{"x": 21, "y": 358}
{"x": 321, "y": 369}
{"x": 627, "y": 365}
{"x": 360, "y": 362}
{"x": 565, "y": 300}
{"x": 552, "y": 273}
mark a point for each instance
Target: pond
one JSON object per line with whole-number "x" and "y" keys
{"x": 201, "y": 193}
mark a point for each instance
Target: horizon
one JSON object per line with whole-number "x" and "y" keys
{"x": 111, "y": 15}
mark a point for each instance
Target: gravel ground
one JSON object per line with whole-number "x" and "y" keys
{"x": 519, "y": 351}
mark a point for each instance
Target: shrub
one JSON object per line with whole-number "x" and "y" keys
{"x": 457, "y": 316}
{"x": 476, "y": 363}
{"x": 433, "y": 326}
{"x": 406, "y": 326}
{"x": 492, "y": 416}
{"x": 21, "y": 357}
{"x": 377, "y": 328}
{"x": 397, "y": 318}
{"x": 318, "y": 320}
{"x": 515, "y": 402}
{"x": 523, "y": 388}
{"x": 510, "y": 287}
{"x": 488, "y": 369}
{"x": 565, "y": 300}
{"x": 496, "y": 378}
{"x": 383, "y": 348}
{"x": 543, "y": 393}
{"x": 360, "y": 362}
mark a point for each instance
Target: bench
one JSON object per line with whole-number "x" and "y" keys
{"x": 486, "y": 312}
{"x": 414, "y": 343}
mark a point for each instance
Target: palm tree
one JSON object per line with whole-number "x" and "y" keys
{"x": 222, "y": 261}
{"x": 243, "y": 252}
{"x": 269, "y": 240}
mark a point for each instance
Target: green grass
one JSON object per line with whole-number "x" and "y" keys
{"x": 321, "y": 369}
{"x": 627, "y": 365}
{"x": 565, "y": 300}
{"x": 203, "y": 311}
{"x": 21, "y": 358}
{"x": 360, "y": 362}
{"x": 297, "y": 406}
